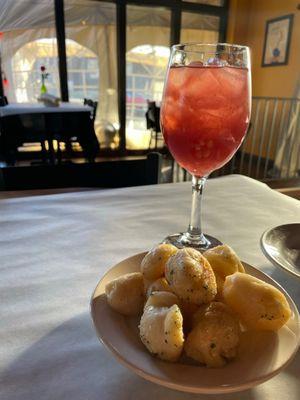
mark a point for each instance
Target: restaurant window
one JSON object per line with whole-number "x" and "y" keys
{"x": 148, "y": 40}
{"x": 92, "y": 62}
{"x": 27, "y": 41}
{"x": 83, "y": 72}
{"x": 146, "y": 69}
{"x": 26, "y": 70}
{"x": 199, "y": 28}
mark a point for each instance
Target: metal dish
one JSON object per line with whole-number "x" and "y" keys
{"x": 281, "y": 245}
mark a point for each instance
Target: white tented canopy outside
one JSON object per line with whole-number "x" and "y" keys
{"x": 28, "y": 40}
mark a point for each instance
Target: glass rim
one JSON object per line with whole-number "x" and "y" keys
{"x": 179, "y": 46}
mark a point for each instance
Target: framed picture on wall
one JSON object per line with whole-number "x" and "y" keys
{"x": 277, "y": 41}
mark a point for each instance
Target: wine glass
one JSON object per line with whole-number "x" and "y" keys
{"x": 205, "y": 115}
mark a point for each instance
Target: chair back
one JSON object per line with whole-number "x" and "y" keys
{"x": 94, "y": 105}
{"x": 153, "y": 116}
{"x": 3, "y": 101}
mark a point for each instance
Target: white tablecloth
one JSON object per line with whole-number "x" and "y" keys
{"x": 55, "y": 248}
{"x": 34, "y": 108}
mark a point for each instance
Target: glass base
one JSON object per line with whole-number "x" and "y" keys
{"x": 201, "y": 243}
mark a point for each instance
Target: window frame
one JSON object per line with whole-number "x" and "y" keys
{"x": 176, "y": 7}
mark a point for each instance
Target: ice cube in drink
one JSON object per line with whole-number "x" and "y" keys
{"x": 205, "y": 115}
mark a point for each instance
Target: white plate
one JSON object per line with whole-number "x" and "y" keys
{"x": 261, "y": 355}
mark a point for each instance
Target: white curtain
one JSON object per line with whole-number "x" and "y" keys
{"x": 101, "y": 39}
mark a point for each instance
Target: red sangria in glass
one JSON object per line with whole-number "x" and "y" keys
{"x": 204, "y": 118}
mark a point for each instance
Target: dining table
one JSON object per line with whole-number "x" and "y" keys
{"x": 56, "y": 247}
{"x": 38, "y": 122}
{"x": 39, "y": 107}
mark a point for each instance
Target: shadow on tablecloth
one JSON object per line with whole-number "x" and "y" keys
{"x": 70, "y": 363}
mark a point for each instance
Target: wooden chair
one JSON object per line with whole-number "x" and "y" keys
{"x": 153, "y": 122}
{"x": 94, "y": 105}
{"x": 3, "y": 101}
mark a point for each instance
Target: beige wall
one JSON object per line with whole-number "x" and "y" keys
{"x": 246, "y": 25}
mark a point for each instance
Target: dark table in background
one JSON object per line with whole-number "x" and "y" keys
{"x": 30, "y": 123}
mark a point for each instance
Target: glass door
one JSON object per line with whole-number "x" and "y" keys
{"x": 147, "y": 53}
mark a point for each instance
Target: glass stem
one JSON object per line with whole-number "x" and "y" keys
{"x": 194, "y": 232}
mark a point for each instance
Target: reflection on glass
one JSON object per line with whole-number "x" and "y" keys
{"x": 92, "y": 63}
{"x": 148, "y": 40}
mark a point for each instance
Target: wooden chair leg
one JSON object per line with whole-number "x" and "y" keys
{"x": 44, "y": 152}
{"x": 69, "y": 148}
{"x": 150, "y": 141}
{"x": 51, "y": 151}
{"x": 58, "y": 153}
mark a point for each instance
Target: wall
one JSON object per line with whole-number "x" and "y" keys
{"x": 247, "y": 21}
{"x": 246, "y": 25}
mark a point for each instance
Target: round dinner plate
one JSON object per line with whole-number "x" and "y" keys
{"x": 261, "y": 355}
{"x": 281, "y": 245}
